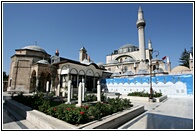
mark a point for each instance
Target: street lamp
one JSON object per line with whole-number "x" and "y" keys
{"x": 156, "y": 66}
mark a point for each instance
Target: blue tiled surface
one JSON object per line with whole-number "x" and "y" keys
{"x": 187, "y": 79}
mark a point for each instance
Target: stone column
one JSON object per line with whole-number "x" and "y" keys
{"x": 98, "y": 91}
{"x": 79, "y": 95}
{"x": 83, "y": 89}
{"x": 69, "y": 93}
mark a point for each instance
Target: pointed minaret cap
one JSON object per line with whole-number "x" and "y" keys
{"x": 57, "y": 52}
{"x": 140, "y": 9}
{"x": 168, "y": 61}
{"x": 191, "y": 57}
{"x": 149, "y": 44}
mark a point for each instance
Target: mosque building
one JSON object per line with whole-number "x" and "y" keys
{"x": 130, "y": 60}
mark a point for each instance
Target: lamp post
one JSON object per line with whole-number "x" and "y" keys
{"x": 156, "y": 67}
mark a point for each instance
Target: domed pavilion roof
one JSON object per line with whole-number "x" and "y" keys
{"x": 180, "y": 69}
{"x": 35, "y": 48}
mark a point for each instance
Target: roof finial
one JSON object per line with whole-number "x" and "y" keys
{"x": 57, "y": 52}
{"x": 36, "y": 43}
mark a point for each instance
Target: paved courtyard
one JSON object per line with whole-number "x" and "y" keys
{"x": 173, "y": 113}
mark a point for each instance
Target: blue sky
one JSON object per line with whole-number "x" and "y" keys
{"x": 99, "y": 27}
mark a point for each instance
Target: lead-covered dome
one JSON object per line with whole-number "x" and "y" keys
{"x": 127, "y": 48}
{"x": 43, "y": 62}
{"x": 35, "y": 48}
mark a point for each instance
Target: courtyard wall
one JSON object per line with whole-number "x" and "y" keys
{"x": 171, "y": 85}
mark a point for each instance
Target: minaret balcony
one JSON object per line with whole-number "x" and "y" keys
{"x": 141, "y": 23}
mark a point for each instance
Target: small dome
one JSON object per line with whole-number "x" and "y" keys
{"x": 43, "y": 62}
{"x": 113, "y": 62}
{"x": 142, "y": 72}
{"x": 180, "y": 69}
{"x": 160, "y": 70}
{"x": 35, "y": 48}
{"x": 100, "y": 64}
{"x": 128, "y": 73}
{"x": 116, "y": 74}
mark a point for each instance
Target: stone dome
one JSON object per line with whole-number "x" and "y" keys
{"x": 43, "y": 62}
{"x": 180, "y": 69}
{"x": 35, "y": 48}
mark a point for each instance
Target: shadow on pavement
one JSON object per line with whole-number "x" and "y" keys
{"x": 157, "y": 121}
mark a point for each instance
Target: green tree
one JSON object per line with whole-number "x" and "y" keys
{"x": 184, "y": 59}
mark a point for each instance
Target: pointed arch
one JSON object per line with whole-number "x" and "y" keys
{"x": 33, "y": 81}
{"x": 89, "y": 72}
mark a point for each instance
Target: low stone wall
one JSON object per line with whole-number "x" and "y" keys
{"x": 48, "y": 122}
{"x": 160, "y": 99}
{"x": 115, "y": 120}
{"x": 38, "y": 118}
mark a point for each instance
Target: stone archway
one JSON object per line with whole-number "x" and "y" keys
{"x": 33, "y": 81}
{"x": 42, "y": 83}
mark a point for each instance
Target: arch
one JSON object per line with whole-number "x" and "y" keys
{"x": 97, "y": 74}
{"x": 42, "y": 82}
{"x": 81, "y": 72}
{"x": 118, "y": 57}
{"x": 33, "y": 81}
{"x": 89, "y": 72}
{"x": 73, "y": 71}
{"x": 64, "y": 69}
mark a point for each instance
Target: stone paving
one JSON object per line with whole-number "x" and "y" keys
{"x": 173, "y": 113}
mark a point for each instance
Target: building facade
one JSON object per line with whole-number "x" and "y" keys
{"x": 32, "y": 67}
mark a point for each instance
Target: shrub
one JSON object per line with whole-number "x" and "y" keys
{"x": 143, "y": 94}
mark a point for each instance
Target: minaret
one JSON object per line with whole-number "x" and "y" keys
{"x": 168, "y": 65}
{"x": 191, "y": 62}
{"x": 141, "y": 36}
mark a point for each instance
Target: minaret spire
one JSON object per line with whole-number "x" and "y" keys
{"x": 141, "y": 34}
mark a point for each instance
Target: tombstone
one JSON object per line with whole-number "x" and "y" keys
{"x": 69, "y": 93}
{"x": 83, "y": 89}
{"x": 63, "y": 93}
{"x": 98, "y": 91}
{"x": 79, "y": 95}
{"x": 47, "y": 86}
{"x": 58, "y": 90}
